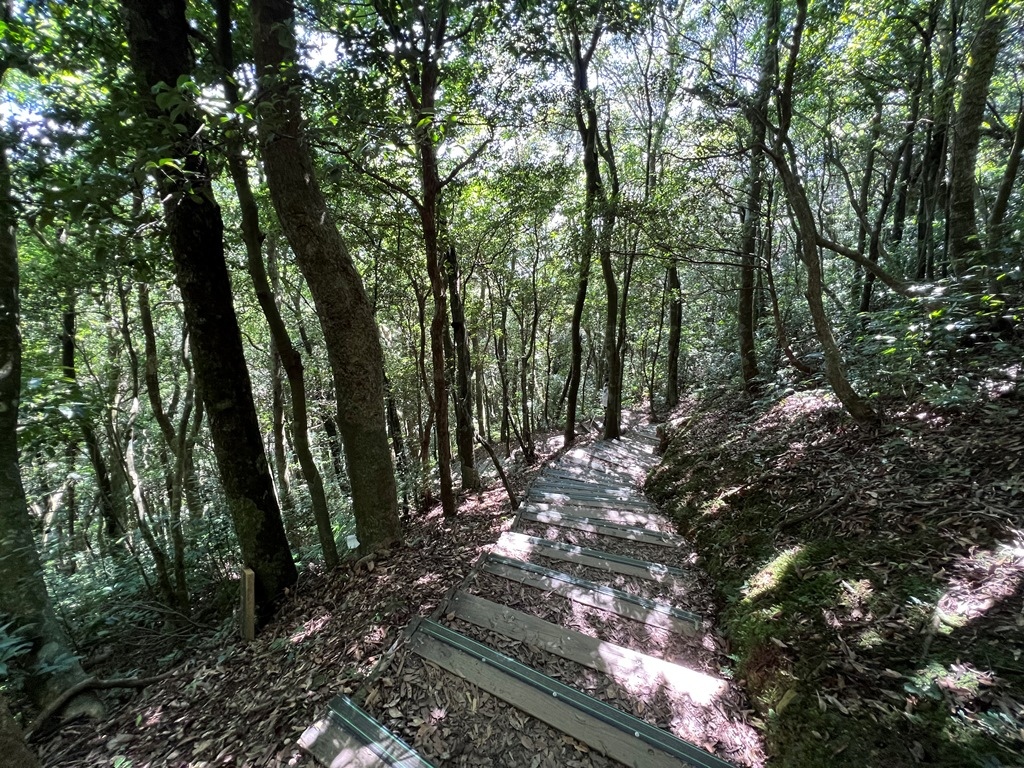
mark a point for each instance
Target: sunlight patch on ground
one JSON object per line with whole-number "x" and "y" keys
{"x": 152, "y": 717}
{"x": 768, "y": 577}
{"x": 310, "y": 628}
{"x": 801, "y": 404}
{"x": 428, "y": 579}
{"x": 979, "y": 582}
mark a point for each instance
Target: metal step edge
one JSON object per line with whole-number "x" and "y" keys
{"x": 654, "y": 568}
{"x": 343, "y": 713}
{"x": 624, "y": 723}
{"x": 512, "y": 624}
{"x": 603, "y": 589}
{"x": 554, "y": 518}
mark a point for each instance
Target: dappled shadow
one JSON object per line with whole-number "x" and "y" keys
{"x": 870, "y": 579}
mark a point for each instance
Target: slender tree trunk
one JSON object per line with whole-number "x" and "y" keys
{"x": 997, "y": 218}
{"x": 173, "y": 442}
{"x": 572, "y": 383}
{"x": 67, "y": 345}
{"x": 269, "y": 301}
{"x": 160, "y": 50}
{"x": 483, "y": 428}
{"x": 428, "y": 218}
{"x": 350, "y": 331}
{"x": 906, "y": 154}
{"x": 783, "y": 157}
{"x": 463, "y": 377}
{"x": 675, "y": 327}
{"x": 277, "y": 410}
{"x": 748, "y": 268}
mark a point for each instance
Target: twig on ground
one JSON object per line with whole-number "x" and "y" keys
{"x": 88, "y": 684}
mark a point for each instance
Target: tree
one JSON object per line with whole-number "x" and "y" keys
{"x": 24, "y": 597}
{"x": 783, "y": 155}
{"x": 290, "y": 359}
{"x": 350, "y": 331}
{"x": 964, "y": 241}
{"x": 158, "y": 43}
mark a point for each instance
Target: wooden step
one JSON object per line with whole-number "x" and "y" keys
{"x": 588, "y": 461}
{"x": 627, "y": 448}
{"x": 635, "y": 442}
{"x": 623, "y": 517}
{"x": 590, "y": 492}
{"x": 567, "y": 496}
{"x": 521, "y": 544}
{"x": 583, "y": 475}
{"x": 600, "y": 526}
{"x": 599, "y": 488}
{"x": 600, "y": 726}
{"x": 623, "y": 665}
{"x": 585, "y": 592}
{"x": 349, "y": 737}
{"x": 628, "y": 457}
{"x": 588, "y": 458}
{"x": 606, "y": 484}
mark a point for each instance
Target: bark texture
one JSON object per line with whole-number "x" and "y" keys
{"x": 350, "y": 331}
{"x": 964, "y": 243}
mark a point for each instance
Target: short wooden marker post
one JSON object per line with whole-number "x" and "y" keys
{"x": 247, "y": 619}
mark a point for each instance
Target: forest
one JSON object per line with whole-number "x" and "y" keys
{"x": 291, "y": 286}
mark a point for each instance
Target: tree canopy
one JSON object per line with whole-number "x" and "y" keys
{"x": 271, "y": 272}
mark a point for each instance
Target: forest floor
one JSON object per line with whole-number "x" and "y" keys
{"x": 869, "y": 591}
{"x": 871, "y": 585}
{"x": 227, "y": 702}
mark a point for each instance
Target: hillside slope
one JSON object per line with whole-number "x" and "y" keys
{"x": 870, "y": 584}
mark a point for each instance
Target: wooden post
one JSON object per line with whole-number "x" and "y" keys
{"x": 247, "y": 618}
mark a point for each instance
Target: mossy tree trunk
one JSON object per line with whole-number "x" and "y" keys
{"x": 964, "y": 248}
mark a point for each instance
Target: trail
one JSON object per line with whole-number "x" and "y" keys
{"x": 580, "y": 638}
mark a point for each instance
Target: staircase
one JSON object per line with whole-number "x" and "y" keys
{"x": 577, "y": 640}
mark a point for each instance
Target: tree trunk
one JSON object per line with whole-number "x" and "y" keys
{"x": 483, "y": 428}
{"x": 12, "y": 741}
{"x": 783, "y": 157}
{"x": 67, "y": 355}
{"x": 965, "y": 249}
{"x": 269, "y": 301}
{"x": 463, "y": 377}
{"x": 160, "y": 50}
{"x": 748, "y": 268}
{"x": 173, "y": 442}
{"x": 997, "y": 218}
{"x": 675, "y": 327}
{"x": 428, "y": 211}
{"x": 50, "y": 661}
{"x": 576, "y": 357}
{"x": 350, "y": 331}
